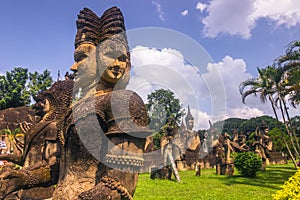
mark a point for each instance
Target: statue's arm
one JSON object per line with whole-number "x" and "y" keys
{"x": 41, "y": 174}
{"x": 12, "y": 158}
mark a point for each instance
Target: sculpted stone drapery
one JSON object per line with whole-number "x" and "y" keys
{"x": 105, "y": 130}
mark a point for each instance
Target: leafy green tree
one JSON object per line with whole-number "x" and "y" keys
{"x": 248, "y": 164}
{"x": 295, "y": 124}
{"x": 278, "y": 144}
{"x": 12, "y": 93}
{"x": 228, "y": 125}
{"x": 17, "y": 87}
{"x": 290, "y": 63}
{"x": 39, "y": 82}
{"x": 162, "y": 105}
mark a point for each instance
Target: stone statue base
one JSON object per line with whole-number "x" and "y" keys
{"x": 225, "y": 169}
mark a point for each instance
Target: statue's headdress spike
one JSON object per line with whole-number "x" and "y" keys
{"x": 87, "y": 28}
{"x": 112, "y": 24}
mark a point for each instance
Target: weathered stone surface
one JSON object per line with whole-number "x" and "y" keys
{"x": 11, "y": 118}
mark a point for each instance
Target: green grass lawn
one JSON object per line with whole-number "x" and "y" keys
{"x": 210, "y": 186}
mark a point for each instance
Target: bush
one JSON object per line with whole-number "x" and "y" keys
{"x": 290, "y": 189}
{"x": 248, "y": 164}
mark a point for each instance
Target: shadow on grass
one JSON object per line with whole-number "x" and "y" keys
{"x": 272, "y": 178}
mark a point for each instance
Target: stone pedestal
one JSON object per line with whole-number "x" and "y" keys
{"x": 160, "y": 173}
{"x": 225, "y": 169}
{"x": 181, "y": 165}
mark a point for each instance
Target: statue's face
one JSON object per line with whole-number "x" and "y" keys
{"x": 42, "y": 107}
{"x": 191, "y": 123}
{"x": 266, "y": 131}
{"x": 85, "y": 65}
{"x": 112, "y": 59}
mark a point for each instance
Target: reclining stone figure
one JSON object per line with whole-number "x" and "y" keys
{"x": 40, "y": 158}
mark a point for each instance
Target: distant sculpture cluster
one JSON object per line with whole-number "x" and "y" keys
{"x": 91, "y": 148}
{"x": 187, "y": 149}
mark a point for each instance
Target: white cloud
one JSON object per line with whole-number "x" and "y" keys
{"x": 159, "y": 10}
{"x": 153, "y": 69}
{"x": 185, "y": 13}
{"x": 201, "y": 119}
{"x": 281, "y": 12}
{"x": 201, "y": 6}
{"x": 235, "y": 17}
{"x": 229, "y": 16}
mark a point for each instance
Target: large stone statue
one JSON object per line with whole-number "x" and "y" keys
{"x": 105, "y": 130}
{"x": 40, "y": 158}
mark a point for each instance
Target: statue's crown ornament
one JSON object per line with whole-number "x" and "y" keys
{"x": 87, "y": 28}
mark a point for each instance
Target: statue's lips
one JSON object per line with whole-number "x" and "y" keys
{"x": 116, "y": 71}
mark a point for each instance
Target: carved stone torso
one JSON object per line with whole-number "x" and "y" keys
{"x": 38, "y": 143}
{"x": 90, "y": 140}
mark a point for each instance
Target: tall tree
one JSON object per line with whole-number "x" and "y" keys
{"x": 162, "y": 105}
{"x": 12, "y": 93}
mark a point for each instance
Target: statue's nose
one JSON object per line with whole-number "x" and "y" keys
{"x": 74, "y": 67}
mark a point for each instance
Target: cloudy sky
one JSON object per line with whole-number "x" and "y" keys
{"x": 201, "y": 50}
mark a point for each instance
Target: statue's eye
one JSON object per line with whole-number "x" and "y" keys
{"x": 79, "y": 57}
{"x": 123, "y": 58}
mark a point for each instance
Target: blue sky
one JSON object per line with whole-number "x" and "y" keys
{"x": 238, "y": 36}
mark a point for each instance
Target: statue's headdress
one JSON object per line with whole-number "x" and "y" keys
{"x": 87, "y": 28}
{"x": 112, "y": 25}
{"x": 189, "y": 116}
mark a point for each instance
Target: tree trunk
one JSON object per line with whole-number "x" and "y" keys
{"x": 283, "y": 138}
{"x": 291, "y": 128}
{"x": 287, "y": 129}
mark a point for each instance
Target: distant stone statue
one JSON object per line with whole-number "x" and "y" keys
{"x": 223, "y": 155}
{"x": 105, "y": 129}
{"x": 171, "y": 149}
{"x": 191, "y": 140}
{"x": 263, "y": 143}
{"x": 40, "y": 158}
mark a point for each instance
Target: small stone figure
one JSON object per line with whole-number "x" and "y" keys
{"x": 198, "y": 168}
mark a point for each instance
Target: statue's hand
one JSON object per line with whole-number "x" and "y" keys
{"x": 12, "y": 180}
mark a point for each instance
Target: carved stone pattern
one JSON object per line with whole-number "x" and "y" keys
{"x": 116, "y": 185}
{"x": 124, "y": 160}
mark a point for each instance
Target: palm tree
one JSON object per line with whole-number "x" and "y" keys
{"x": 262, "y": 85}
{"x": 290, "y": 63}
{"x": 13, "y": 140}
{"x": 289, "y": 86}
